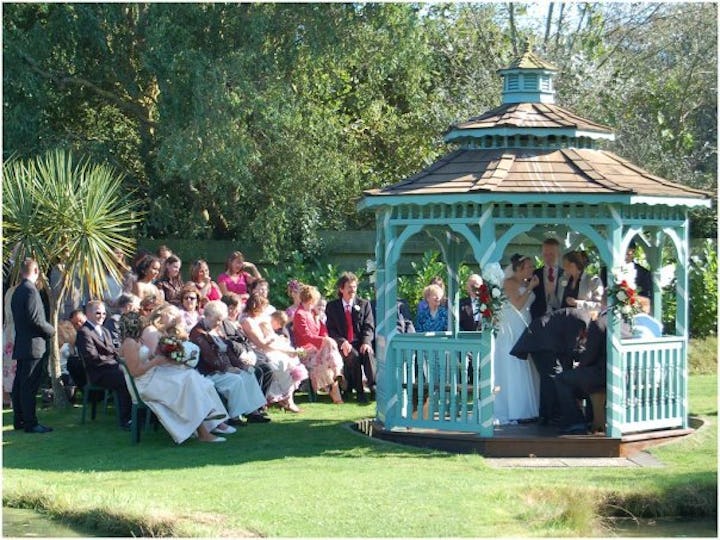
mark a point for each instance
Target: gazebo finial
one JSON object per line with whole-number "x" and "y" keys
{"x": 527, "y": 45}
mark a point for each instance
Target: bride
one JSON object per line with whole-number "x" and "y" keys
{"x": 517, "y": 397}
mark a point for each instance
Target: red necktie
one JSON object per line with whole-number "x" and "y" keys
{"x": 551, "y": 274}
{"x": 349, "y": 324}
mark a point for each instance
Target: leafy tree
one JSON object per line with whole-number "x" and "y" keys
{"x": 73, "y": 213}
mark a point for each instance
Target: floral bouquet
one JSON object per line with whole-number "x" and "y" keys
{"x": 173, "y": 348}
{"x": 625, "y": 296}
{"x": 491, "y": 296}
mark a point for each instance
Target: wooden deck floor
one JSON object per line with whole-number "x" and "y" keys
{"x": 522, "y": 440}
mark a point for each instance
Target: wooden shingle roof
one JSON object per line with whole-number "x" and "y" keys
{"x": 528, "y": 171}
{"x": 531, "y": 115}
{"x": 529, "y": 60}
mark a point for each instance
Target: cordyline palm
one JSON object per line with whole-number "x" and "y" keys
{"x": 69, "y": 213}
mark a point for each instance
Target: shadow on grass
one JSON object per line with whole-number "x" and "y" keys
{"x": 100, "y": 445}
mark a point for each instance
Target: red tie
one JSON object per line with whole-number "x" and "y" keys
{"x": 551, "y": 274}
{"x": 349, "y": 324}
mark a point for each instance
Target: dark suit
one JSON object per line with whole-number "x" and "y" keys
{"x": 589, "y": 376}
{"x": 467, "y": 321}
{"x": 539, "y": 306}
{"x": 31, "y": 333}
{"x": 100, "y": 358}
{"x": 363, "y": 333}
{"x": 551, "y": 341}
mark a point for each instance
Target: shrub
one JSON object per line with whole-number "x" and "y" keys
{"x": 703, "y": 292}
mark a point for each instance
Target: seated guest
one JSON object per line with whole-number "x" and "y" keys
{"x": 470, "y": 319}
{"x": 217, "y": 358}
{"x": 207, "y": 289}
{"x": 238, "y": 276}
{"x": 323, "y": 359}
{"x": 148, "y": 269}
{"x": 171, "y": 282}
{"x": 404, "y": 319}
{"x": 293, "y": 291}
{"x": 75, "y": 367}
{"x": 96, "y": 349}
{"x": 190, "y": 307}
{"x": 435, "y": 317}
{"x": 579, "y": 290}
{"x": 436, "y": 280}
{"x": 184, "y": 401}
{"x": 125, "y": 303}
{"x": 243, "y": 349}
{"x": 148, "y": 305}
{"x": 262, "y": 287}
{"x": 67, "y": 336}
{"x": 276, "y": 351}
{"x": 279, "y": 323}
{"x": 351, "y": 324}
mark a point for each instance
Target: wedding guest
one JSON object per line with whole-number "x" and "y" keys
{"x": 31, "y": 334}
{"x": 207, "y": 289}
{"x": 9, "y": 364}
{"x": 323, "y": 358}
{"x": 148, "y": 269}
{"x": 279, "y": 322}
{"x": 262, "y": 287}
{"x": 67, "y": 336}
{"x": 579, "y": 290}
{"x": 434, "y": 318}
{"x": 148, "y": 304}
{"x": 190, "y": 306}
{"x": 643, "y": 276}
{"x": 131, "y": 276}
{"x": 74, "y": 364}
{"x": 423, "y": 304}
{"x": 470, "y": 320}
{"x": 293, "y": 291}
{"x": 550, "y": 342}
{"x": 548, "y": 293}
{"x": 184, "y": 401}
{"x": 276, "y": 351}
{"x": 95, "y": 347}
{"x": 238, "y": 276}
{"x": 217, "y": 356}
{"x": 163, "y": 253}
{"x": 171, "y": 282}
{"x": 244, "y": 350}
{"x": 351, "y": 324}
{"x": 125, "y": 303}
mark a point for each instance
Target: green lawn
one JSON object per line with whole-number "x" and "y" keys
{"x": 309, "y": 475}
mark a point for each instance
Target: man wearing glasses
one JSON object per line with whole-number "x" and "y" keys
{"x": 96, "y": 349}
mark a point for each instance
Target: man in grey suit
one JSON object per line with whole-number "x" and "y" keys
{"x": 31, "y": 334}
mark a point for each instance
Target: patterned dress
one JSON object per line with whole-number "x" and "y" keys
{"x": 323, "y": 358}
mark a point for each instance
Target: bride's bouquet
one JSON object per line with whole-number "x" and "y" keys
{"x": 491, "y": 296}
{"x": 177, "y": 350}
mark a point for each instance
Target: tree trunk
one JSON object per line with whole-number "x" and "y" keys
{"x": 59, "y": 397}
{"x": 548, "y": 24}
{"x": 513, "y": 30}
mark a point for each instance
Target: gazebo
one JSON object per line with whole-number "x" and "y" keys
{"x": 523, "y": 167}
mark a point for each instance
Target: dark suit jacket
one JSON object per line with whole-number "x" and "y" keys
{"x": 363, "y": 322}
{"x": 31, "y": 327}
{"x": 95, "y": 351}
{"x": 539, "y": 305}
{"x": 555, "y": 332}
{"x": 467, "y": 321}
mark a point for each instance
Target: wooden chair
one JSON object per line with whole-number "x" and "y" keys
{"x": 137, "y": 405}
{"x": 90, "y": 387}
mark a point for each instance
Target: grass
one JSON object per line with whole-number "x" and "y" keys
{"x": 309, "y": 475}
{"x": 702, "y": 355}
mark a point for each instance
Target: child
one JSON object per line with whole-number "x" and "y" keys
{"x": 279, "y": 322}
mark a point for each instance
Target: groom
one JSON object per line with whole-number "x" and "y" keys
{"x": 551, "y": 342}
{"x": 546, "y": 293}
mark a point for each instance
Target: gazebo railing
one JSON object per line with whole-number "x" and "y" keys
{"x": 654, "y": 390}
{"x": 439, "y": 381}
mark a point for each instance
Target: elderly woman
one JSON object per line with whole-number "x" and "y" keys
{"x": 219, "y": 363}
{"x": 171, "y": 282}
{"x": 182, "y": 400}
{"x": 579, "y": 290}
{"x": 148, "y": 269}
{"x": 323, "y": 358}
{"x": 435, "y": 317}
{"x": 207, "y": 289}
{"x": 276, "y": 351}
{"x": 190, "y": 306}
{"x": 238, "y": 276}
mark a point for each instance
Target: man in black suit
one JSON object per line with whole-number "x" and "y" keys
{"x": 470, "y": 320}
{"x": 31, "y": 334}
{"x": 551, "y": 341}
{"x": 643, "y": 276}
{"x": 350, "y": 323}
{"x": 96, "y": 349}
{"x": 546, "y": 293}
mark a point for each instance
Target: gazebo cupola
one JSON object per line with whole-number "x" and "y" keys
{"x": 528, "y": 116}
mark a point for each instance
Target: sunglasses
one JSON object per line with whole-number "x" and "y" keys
{"x": 100, "y": 313}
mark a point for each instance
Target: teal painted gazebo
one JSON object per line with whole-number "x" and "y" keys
{"x": 526, "y": 167}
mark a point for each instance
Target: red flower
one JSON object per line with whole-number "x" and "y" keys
{"x": 487, "y": 314}
{"x": 624, "y": 284}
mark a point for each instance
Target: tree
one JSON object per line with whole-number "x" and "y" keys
{"x": 59, "y": 211}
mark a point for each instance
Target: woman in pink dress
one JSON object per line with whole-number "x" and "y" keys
{"x": 323, "y": 358}
{"x": 207, "y": 289}
{"x": 238, "y": 275}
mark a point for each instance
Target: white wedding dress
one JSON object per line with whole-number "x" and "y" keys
{"x": 180, "y": 397}
{"x": 518, "y": 397}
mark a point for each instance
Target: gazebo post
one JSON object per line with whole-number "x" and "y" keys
{"x": 682, "y": 319}
{"x": 655, "y": 260}
{"x": 615, "y": 393}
